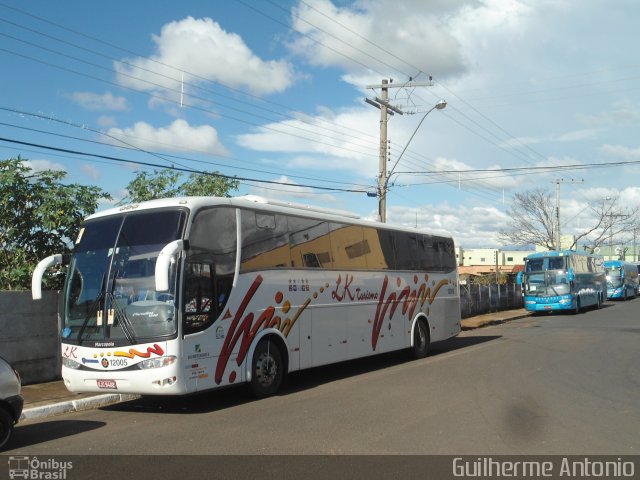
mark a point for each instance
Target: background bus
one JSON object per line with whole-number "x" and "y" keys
{"x": 180, "y": 295}
{"x": 563, "y": 280}
{"x": 622, "y": 279}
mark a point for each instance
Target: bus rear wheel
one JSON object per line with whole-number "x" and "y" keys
{"x": 420, "y": 347}
{"x": 267, "y": 369}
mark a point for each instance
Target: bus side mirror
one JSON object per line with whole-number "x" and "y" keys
{"x": 36, "y": 277}
{"x": 622, "y": 273}
{"x": 163, "y": 262}
{"x": 519, "y": 278}
{"x": 570, "y": 275}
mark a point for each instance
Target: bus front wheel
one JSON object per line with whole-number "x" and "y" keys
{"x": 267, "y": 369}
{"x": 420, "y": 347}
{"x": 6, "y": 426}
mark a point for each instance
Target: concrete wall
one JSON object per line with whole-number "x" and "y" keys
{"x": 29, "y": 335}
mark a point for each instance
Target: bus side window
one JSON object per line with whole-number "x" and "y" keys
{"x": 199, "y": 294}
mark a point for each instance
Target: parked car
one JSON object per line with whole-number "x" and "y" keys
{"x": 11, "y": 402}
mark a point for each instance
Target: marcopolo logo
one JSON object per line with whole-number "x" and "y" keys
{"x": 37, "y": 469}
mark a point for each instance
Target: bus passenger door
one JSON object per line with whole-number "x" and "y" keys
{"x": 205, "y": 296}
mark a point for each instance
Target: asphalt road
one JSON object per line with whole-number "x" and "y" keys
{"x": 559, "y": 384}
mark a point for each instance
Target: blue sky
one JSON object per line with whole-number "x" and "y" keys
{"x": 274, "y": 91}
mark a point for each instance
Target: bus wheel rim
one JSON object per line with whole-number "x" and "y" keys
{"x": 266, "y": 369}
{"x": 422, "y": 336}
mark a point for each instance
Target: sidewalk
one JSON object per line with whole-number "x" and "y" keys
{"x": 52, "y": 398}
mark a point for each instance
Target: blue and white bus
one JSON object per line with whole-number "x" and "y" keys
{"x": 622, "y": 279}
{"x": 563, "y": 280}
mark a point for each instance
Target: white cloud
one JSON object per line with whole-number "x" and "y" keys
{"x": 206, "y": 53}
{"x": 492, "y": 180}
{"x": 472, "y": 226}
{"x": 42, "y": 165}
{"x": 357, "y": 37}
{"x": 179, "y": 136}
{"x": 291, "y": 190}
{"x": 94, "y": 101}
{"x": 91, "y": 171}
{"x": 106, "y": 121}
{"x": 577, "y": 135}
{"x": 621, "y": 112}
{"x": 328, "y": 142}
{"x": 621, "y": 151}
{"x": 572, "y": 136}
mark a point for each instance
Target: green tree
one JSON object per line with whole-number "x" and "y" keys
{"x": 39, "y": 216}
{"x": 167, "y": 183}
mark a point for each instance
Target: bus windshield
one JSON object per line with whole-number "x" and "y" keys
{"x": 544, "y": 263}
{"x": 546, "y": 276}
{"x": 110, "y": 289}
{"x": 549, "y": 283}
{"x": 614, "y": 277}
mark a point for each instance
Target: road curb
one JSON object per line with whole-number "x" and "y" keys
{"x": 490, "y": 321}
{"x": 74, "y": 405}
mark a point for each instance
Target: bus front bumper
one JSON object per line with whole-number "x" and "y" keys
{"x": 548, "y": 304}
{"x": 614, "y": 292}
{"x": 163, "y": 381}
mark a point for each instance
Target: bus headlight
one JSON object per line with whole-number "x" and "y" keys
{"x": 157, "y": 362}
{"x": 67, "y": 362}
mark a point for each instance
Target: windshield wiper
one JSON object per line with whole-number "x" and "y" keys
{"x": 94, "y": 309}
{"x": 122, "y": 319}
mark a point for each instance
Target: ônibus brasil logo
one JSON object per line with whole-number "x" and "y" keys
{"x": 36, "y": 469}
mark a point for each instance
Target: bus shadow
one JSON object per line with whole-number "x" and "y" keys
{"x": 215, "y": 400}
{"x": 33, "y": 434}
{"x": 315, "y": 377}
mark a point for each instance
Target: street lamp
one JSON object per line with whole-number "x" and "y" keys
{"x": 382, "y": 204}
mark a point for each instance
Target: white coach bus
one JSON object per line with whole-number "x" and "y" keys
{"x": 175, "y": 296}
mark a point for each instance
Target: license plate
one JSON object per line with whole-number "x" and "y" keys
{"x": 107, "y": 384}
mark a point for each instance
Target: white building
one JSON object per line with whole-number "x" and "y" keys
{"x": 484, "y": 260}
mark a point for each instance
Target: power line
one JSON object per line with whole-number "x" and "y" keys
{"x": 166, "y": 157}
{"x": 195, "y": 107}
{"x": 342, "y": 131}
{"x": 179, "y": 169}
{"x": 153, "y": 83}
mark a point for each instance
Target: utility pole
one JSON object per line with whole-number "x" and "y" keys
{"x": 611, "y": 216}
{"x": 387, "y": 109}
{"x": 558, "y": 237}
{"x": 382, "y": 193}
